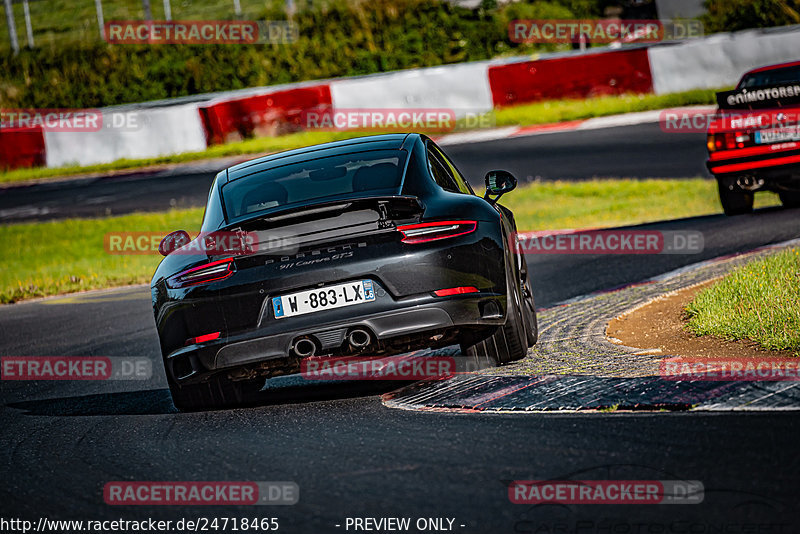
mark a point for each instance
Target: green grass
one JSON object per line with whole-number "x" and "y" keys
{"x": 574, "y": 109}
{"x": 759, "y": 301}
{"x": 607, "y": 203}
{"x": 66, "y": 256}
{"x": 522, "y": 115}
{"x": 58, "y": 257}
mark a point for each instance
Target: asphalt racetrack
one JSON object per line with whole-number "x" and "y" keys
{"x": 351, "y": 456}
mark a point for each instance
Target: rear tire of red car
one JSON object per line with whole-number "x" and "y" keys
{"x": 734, "y": 201}
{"x": 790, "y": 199}
{"x": 216, "y": 393}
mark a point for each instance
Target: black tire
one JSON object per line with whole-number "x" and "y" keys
{"x": 509, "y": 343}
{"x": 790, "y": 199}
{"x": 216, "y": 393}
{"x": 734, "y": 201}
{"x": 529, "y": 308}
{"x": 482, "y": 354}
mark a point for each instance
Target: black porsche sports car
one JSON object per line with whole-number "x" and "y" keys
{"x": 370, "y": 246}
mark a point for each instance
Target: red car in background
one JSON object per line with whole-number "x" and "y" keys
{"x": 754, "y": 139}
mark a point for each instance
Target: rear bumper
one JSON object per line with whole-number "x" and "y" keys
{"x": 419, "y": 316}
{"x": 779, "y": 169}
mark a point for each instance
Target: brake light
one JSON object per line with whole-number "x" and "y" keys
{"x": 455, "y": 291}
{"x": 711, "y": 143}
{"x": 203, "y": 274}
{"x": 203, "y": 338}
{"x": 420, "y": 233}
{"x": 726, "y": 140}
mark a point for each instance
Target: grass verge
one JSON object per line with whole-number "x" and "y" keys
{"x": 552, "y": 111}
{"x": 58, "y": 257}
{"x": 759, "y": 301}
{"x": 522, "y": 115}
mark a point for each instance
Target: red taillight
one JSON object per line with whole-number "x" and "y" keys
{"x": 455, "y": 291}
{"x": 210, "y": 272}
{"x": 203, "y": 338}
{"x": 430, "y": 231}
{"x": 722, "y": 141}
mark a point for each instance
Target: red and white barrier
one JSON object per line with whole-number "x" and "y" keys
{"x": 574, "y": 76}
{"x": 467, "y": 88}
{"x": 22, "y": 148}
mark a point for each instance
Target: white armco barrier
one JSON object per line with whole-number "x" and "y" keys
{"x": 463, "y": 88}
{"x": 720, "y": 60}
{"x": 129, "y": 133}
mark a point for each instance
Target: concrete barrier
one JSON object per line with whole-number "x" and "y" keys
{"x": 156, "y": 132}
{"x": 463, "y": 88}
{"x": 719, "y": 60}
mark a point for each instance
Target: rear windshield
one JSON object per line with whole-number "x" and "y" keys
{"x": 771, "y": 77}
{"x": 376, "y": 172}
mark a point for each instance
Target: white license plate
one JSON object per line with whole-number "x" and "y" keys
{"x": 777, "y": 135}
{"x": 323, "y": 298}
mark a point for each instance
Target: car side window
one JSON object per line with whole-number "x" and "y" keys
{"x": 440, "y": 173}
{"x": 462, "y": 184}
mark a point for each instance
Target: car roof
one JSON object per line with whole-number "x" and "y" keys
{"x": 770, "y": 67}
{"x": 357, "y": 144}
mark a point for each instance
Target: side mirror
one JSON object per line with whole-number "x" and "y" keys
{"x": 173, "y": 241}
{"x": 498, "y": 183}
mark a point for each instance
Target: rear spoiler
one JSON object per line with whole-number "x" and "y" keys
{"x": 389, "y": 207}
{"x": 772, "y": 96}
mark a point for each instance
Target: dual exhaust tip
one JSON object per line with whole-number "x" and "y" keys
{"x": 305, "y": 347}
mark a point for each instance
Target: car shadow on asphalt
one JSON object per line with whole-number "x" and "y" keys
{"x": 159, "y": 401}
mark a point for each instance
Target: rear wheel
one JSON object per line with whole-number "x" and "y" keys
{"x": 217, "y": 392}
{"x": 734, "y": 201}
{"x": 529, "y": 308}
{"x": 509, "y": 342}
{"x": 790, "y": 199}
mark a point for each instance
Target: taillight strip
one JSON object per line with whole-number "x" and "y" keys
{"x": 431, "y": 231}
{"x": 202, "y": 274}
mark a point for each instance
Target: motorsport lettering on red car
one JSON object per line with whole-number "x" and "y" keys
{"x": 754, "y": 141}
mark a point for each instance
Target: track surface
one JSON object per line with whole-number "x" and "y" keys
{"x": 631, "y": 151}
{"x": 353, "y": 458}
